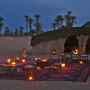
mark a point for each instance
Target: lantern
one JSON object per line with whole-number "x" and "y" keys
{"x": 13, "y": 63}
{"x": 17, "y": 58}
{"x": 75, "y": 51}
{"x": 63, "y": 65}
{"x": 9, "y": 60}
{"x": 23, "y": 60}
{"x": 81, "y": 62}
{"x": 44, "y": 60}
{"x": 38, "y": 68}
{"x": 30, "y": 78}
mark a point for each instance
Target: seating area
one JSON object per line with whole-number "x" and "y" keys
{"x": 62, "y": 69}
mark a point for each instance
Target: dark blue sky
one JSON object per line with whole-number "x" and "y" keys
{"x": 13, "y": 11}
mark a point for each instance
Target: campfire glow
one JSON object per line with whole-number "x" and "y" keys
{"x": 38, "y": 68}
{"x": 81, "y": 62}
{"x": 63, "y": 65}
{"x": 23, "y": 60}
{"x": 75, "y": 51}
{"x": 9, "y": 60}
{"x": 17, "y": 58}
{"x": 44, "y": 60}
{"x": 30, "y": 78}
{"x": 13, "y": 63}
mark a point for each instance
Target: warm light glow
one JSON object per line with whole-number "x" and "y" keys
{"x": 30, "y": 78}
{"x": 81, "y": 62}
{"x": 38, "y": 68}
{"x": 17, "y": 58}
{"x": 75, "y": 51}
{"x": 44, "y": 60}
{"x": 39, "y": 58}
{"x": 53, "y": 52}
{"x": 36, "y": 58}
{"x": 9, "y": 60}
{"x": 23, "y": 60}
{"x": 63, "y": 65}
{"x": 14, "y": 63}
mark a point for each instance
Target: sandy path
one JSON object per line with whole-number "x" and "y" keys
{"x": 43, "y": 85}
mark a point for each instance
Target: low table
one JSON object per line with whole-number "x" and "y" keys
{"x": 84, "y": 58}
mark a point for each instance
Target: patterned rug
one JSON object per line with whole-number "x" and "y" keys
{"x": 73, "y": 72}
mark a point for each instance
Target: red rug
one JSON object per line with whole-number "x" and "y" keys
{"x": 73, "y": 72}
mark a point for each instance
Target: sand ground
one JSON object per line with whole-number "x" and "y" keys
{"x": 43, "y": 85}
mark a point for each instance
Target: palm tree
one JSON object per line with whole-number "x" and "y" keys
{"x": 30, "y": 24}
{"x": 70, "y": 20}
{"x": 69, "y": 12}
{"x": 16, "y": 32}
{"x": 7, "y": 31}
{"x": 27, "y": 19}
{"x": 62, "y": 19}
{"x": 73, "y": 20}
{"x": 1, "y": 24}
{"x": 54, "y": 26}
{"x": 37, "y": 24}
{"x": 59, "y": 21}
{"x": 21, "y": 31}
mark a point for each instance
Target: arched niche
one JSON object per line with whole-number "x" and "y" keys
{"x": 87, "y": 51}
{"x": 71, "y": 43}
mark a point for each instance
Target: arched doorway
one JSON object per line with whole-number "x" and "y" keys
{"x": 88, "y": 46}
{"x": 70, "y": 44}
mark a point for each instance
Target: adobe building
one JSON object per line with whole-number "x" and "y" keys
{"x": 63, "y": 40}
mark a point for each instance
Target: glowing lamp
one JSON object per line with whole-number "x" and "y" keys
{"x": 9, "y": 60}
{"x": 44, "y": 60}
{"x": 30, "y": 78}
{"x": 38, "y": 68}
{"x": 17, "y": 58}
{"x": 13, "y": 63}
{"x": 36, "y": 58}
{"x": 39, "y": 58}
{"x": 63, "y": 65}
{"x": 81, "y": 62}
{"x": 75, "y": 51}
{"x": 23, "y": 60}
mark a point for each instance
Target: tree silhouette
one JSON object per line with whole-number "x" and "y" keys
{"x": 21, "y": 31}
{"x": 54, "y": 26}
{"x": 70, "y": 20}
{"x": 1, "y": 24}
{"x": 7, "y": 32}
{"x": 37, "y": 24}
{"x": 59, "y": 21}
{"x": 30, "y": 24}
{"x": 16, "y": 32}
{"x": 27, "y": 20}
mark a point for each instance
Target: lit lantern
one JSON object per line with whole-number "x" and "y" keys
{"x": 81, "y": 62}
{"x": 9, "y": 60}
{"x": 44, "y": 60}
{"x": 17, "y": 58}
{"x": 63, "y": 65}
{"x": 75, "y": 51}
{"x": 39, "y": 58}
{"x": 36, "y": 58}
{"x": 30, "y": 78}
{"x": 23, "y": 60}
{"x": 13, "y": 63}
{"x": 38, "y": 68}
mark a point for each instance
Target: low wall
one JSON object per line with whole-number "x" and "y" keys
{"x": 12, "y": 46}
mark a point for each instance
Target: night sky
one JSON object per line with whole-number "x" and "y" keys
{"x": 13, "y": 11}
